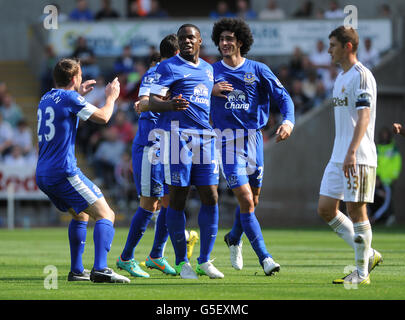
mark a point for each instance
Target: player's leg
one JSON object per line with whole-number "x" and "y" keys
{"x": 77, "y": 232}
{"x": 362, "y": 236}
{"x": 331, "y": 193}
{"x": 103, "y": 236}
{"x": 176, "y": 221}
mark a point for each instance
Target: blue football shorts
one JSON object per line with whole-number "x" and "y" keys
{"x": 241, "y": 158}
{"x": 148, "y": 170}
{"x": 76, "y": 192}
{"x": 190, "y": 158}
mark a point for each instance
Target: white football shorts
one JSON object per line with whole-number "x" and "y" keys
{"x": 357, "y": 188}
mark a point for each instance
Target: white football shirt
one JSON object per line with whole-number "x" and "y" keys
{"x": 354, "y": 90}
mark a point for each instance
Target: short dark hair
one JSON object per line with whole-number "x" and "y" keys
{"x": 189, "y": 25}
{"x": 239, "y": 27}
{"x": 346, "y": 34}
{"x": 65, "y": 70}
{"x": 169, "y": 46}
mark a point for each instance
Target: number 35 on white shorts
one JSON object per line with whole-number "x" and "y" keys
{"x": 357, "y": 188}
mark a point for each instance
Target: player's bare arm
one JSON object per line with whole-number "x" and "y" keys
{"x": 161, "y": 104}
{"x": 103, "y": 115}
{"x": 398, "y": 129}
{"x": 349, "y": 164}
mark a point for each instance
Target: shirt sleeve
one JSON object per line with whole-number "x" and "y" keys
{"x": 146, "y": 83}
{"x": 279, "y": 95}
{"x": 163, "y": 80}
{"x": 80, "y": 107}
{"x": 364, "y": 93}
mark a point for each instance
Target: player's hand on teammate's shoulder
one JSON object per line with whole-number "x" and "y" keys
{"x": 112, "y": 90}
{"x": 283, "y": 132}
{"x": 86, "y": 87}
{"x": 220, "y": 89}
{"x": 178, "y": 103}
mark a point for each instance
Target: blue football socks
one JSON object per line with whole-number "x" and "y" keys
{"x": 208, "y": 223}
{"x": 235, "y": 235}
{"x": 77, "y": 233}
{"x": 176, "y": 224}
{"x": 161, "y": 235}
{"x": 252, "y": 229}
{"x": 103, "y": 236}
{"x": 139, "y": 223}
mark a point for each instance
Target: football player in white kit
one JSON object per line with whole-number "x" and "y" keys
{"x": 351, "y": 172}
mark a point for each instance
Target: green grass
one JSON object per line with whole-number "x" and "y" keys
{"x": 310, "y": 259}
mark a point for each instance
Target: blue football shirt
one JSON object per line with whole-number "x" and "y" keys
{"x": 147, "y": 120}
{"x": 58, "y": 117}
{"x": 248, "y": 105}
{"x": 194, "y": 82}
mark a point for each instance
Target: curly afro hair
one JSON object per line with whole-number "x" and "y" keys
{"x": 239, "y": 27}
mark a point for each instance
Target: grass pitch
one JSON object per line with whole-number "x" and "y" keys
{"x": 310, "y": 259}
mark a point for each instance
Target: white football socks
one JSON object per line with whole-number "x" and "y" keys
{"x": 343, "y": 227}
{"x": 362, "y": 245}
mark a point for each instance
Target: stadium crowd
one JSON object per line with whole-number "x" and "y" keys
{"x": 308, "y": 78}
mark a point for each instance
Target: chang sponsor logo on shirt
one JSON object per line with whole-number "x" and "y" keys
{"x": 200, "y": 95}
{"x": 237, "y": 100}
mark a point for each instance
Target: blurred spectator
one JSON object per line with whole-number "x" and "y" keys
{"x": 133, "y": 81}
{"x": 284, "y": 76}
{"x": 301, "y": 101}
{"x": 222, "y": 11}
{"x": 124, "y": 179}
{"x": 125, "y": 62}
{"x": 123, "y": 127}
{"x": 385, "y": 11}
{"x": 368, "y": 55}
{"x": 81, "y": 12}
{"x": 3, "y": 91}
{"x": 47, "y": 69}
{"x": 15, "y": 157}
{"x": 330, "y": 79}
{"x": 272, "y": 11}
{"x": 313, "y": 88}
{"x": 6, "y": 136}
{"x": 22, "y": 137}
{"x": 296, "y": 63}
{"x": 320, "y": 59}
{"x": 305, "y": 10}
{"x": 135, "y": 10}
{"x": 334, "y": 11}
{"x": 97, "y": 96}
{"x": 244, "y": 11}
{"x": 90, "y": 69}
{"x": 10, "y": 110}
{"x": 156, "y": 11}
{"x": 388, "y": 170}
{"x": 107, "y": 156}
{"x": 106, "y": 11}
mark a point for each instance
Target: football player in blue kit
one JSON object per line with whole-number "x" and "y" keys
{"x": 240, "y": 108}
{"x": 58, "y": 176}
{"x": 189, "y": 154}
{"x": 149, "y": 180}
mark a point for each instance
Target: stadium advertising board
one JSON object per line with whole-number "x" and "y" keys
{"x": 23, "y": 180}
{"x": 271, "y": 38}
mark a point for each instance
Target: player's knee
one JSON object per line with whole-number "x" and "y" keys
{"x": 209, "y": 197}
{"x": 246, "y": 203}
